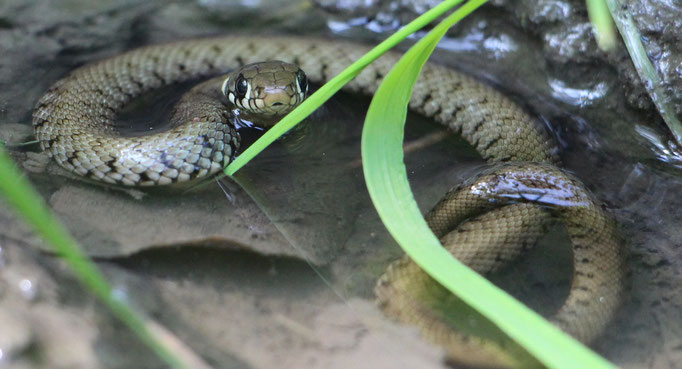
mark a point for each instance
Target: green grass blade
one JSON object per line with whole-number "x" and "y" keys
{"x": 601, "y": 21}
{"x": 20, "y": 195}
{"x": 386, "y": 179}
{"x": 335, "y": 84}
{"x": 647, "y": 72}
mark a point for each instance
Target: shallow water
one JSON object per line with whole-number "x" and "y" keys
{"x": 257, "y": 278}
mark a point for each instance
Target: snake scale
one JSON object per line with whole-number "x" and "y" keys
{"x": 495, "y": 216}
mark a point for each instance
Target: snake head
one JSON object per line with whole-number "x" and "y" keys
{"x": 265, "y": 92}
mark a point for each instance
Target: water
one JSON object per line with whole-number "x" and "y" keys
{"x": 224, "y": 274}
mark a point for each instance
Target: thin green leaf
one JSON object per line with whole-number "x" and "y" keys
{"x": 601, "y": 21}
{"x": 647, "y": 73}
{"x": 386, "y": 179}
{"x": 19, "y": 194}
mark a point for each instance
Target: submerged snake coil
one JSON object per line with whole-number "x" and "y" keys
{"x": 74, "y": 123}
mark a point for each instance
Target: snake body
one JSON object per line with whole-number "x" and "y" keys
{"x": 74, "y": 123}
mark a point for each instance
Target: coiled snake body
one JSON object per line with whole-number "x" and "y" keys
{"x": 74, "y": 123}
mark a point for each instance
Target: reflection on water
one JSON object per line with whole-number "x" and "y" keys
{"x": 578, "y": 96}
{"x": 517, "y": 186}
{"x": 665, "y": 149}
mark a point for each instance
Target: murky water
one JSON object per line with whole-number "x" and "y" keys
{"x": 249, "y": 277}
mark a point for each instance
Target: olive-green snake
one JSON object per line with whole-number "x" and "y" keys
{"x": 74, "y": 123}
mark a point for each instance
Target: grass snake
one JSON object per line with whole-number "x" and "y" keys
{"x": 485, "y": 223}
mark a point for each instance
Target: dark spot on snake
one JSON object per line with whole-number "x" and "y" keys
{"x": 583, "y": 302}
{"x": 456, "y": 111}
{"x": 297, "y": 60}
{"x": 491, "y": 143}
{"x": 580, "y": 234}
{"x": 438, "y": 111}
{"x": 165, "y": 160}
{"x": 137, "y": 83}
{"x": 159, "y": 77}
{"x": 455, "y": 86}
{"x": 216, "y": 49}
{"x": 181, "y": 67}
{"x": 207, "y": 142}
{"x": 479, "y": 125}
{"x": 427, "y": 97}
{"x": 240, "y": 61}
{"x": 506, "y": 158}
{"x": 145, "y": 177}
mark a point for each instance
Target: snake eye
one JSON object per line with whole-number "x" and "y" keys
{"x": 302, "y": 81}
{"x": 241, "y": 86}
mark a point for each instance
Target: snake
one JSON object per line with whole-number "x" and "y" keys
{"x": 485, "y": 223}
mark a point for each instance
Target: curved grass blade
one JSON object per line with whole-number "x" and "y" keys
{"x": 647, "y": 73}
{"x": 386, "y": 178}
{"x": 19, "y": 194}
